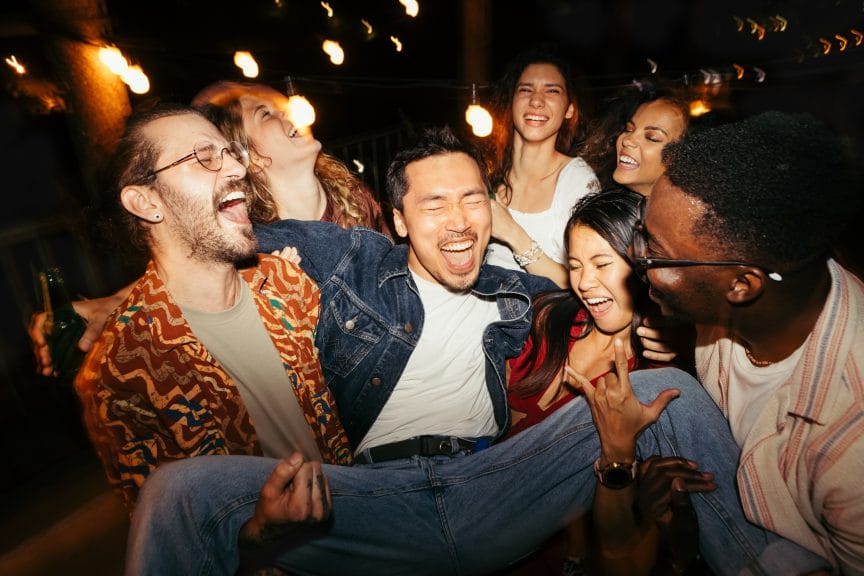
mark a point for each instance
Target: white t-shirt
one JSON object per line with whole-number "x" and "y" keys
{"x": 546, "y": 228}
{"x": 443, "y": 387}
{"x": 751, "y": 386}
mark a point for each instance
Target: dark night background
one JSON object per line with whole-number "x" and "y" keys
{"x": 186, "y": 44}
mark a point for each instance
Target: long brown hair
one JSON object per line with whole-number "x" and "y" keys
{"x": 505, "y": 89}
{"x": 610, "y": 213}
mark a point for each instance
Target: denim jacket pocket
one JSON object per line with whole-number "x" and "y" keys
{"x": 346, "y": 334}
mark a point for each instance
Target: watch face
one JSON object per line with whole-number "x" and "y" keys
{"x": 616, "y": 476}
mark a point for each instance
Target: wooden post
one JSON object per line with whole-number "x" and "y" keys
{"x": 97, "y": 102}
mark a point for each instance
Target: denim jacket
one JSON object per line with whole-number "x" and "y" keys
{"x": 372, "y": 316}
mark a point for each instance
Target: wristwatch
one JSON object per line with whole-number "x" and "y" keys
{"x": 616, "y": 475}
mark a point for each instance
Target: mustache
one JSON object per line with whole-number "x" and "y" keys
{"x": 239, "y": 185}
{"x": 458, "y": 237}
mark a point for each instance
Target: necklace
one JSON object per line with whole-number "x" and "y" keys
{"x": 754, "y": 361}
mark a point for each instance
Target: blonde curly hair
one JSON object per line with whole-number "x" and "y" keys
{"x": 220, "y": 102}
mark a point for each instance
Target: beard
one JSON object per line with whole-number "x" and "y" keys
{"x": 197, "y": 226}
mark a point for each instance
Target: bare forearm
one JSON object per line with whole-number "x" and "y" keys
{"x": 627, "y": 546}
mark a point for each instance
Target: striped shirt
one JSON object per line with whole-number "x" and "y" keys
{"x": 801, "y": 472}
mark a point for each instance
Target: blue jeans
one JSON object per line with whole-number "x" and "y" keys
{"x": 471, "y": 514}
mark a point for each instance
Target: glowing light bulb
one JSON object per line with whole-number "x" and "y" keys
{"x": 113, "y": 59}
{"x": 334, "y": 50}
{"x": 137, "y": 81}
{"x": 843, "y": 41}
{"x": 15, "y": 65}
{"x": 479, "y": 119}
{"x": 368, "y": 26}
{"x": 397, "y": 43}
{"x": 327, "y": 7}
{"x": 781, "y": 23}
{"x": 300, "y": 112}
{"x": 411, "y": 7}
{"x": 698, "y": 108}
{"x": 359, "y": 165}
{"x": 246, "y": 62}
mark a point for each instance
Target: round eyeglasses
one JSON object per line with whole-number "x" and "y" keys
{"x": 642, "y": 262}
{"x": 210, "y": 156}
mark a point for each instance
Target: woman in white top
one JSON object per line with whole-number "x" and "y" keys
{"x": 536, "y": 182}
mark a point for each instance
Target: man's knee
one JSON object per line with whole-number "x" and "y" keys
{"x": 647, "y": 384}
{"x": 172, "y": 482}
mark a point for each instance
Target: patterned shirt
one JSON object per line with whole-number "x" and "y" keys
{"x": 802, "y": 462}
{"x": 152, "y": 393}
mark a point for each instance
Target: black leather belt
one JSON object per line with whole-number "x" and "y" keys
{"x": 421, "y": 446}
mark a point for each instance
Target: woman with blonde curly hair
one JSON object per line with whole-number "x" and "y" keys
{"x": 291, "y": 177}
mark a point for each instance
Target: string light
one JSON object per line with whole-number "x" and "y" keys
{"x": 359, "y": 165}
{"x": 334, "y": 50}
{"x": 478, "y": 117}
{"x": 779, "y": 23}
{"x": 137, "y": 81}
{"x": 411, "y": 7}
{"x": 113, "y": 59}
{"x": 15, "y": 65}
{"x": 843, "y": 41}
{"x": 698, "y": 108}
{"x": 132, "y": 76}
{"x": 246, "y": 62}
{"x": 299, "y": 110}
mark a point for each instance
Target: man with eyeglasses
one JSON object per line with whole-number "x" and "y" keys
{"x": 736, "y": 238}
{"x": 166, "y": 380}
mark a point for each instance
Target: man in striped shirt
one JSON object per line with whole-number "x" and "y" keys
{"x": 737, "y": 238}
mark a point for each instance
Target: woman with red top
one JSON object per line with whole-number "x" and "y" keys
{"x": 576, "y": 328}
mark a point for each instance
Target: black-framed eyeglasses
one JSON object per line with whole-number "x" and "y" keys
{"x": 642, "y": 262}
{"x": 210, "y": 156}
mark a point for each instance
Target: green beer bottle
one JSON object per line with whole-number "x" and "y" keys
{"x": 63, "y": 326}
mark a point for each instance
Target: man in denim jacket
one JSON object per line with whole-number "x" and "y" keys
{"x": 374, "y": 316}
{"x": 421, "y": 506}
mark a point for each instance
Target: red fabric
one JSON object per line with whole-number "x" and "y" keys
{"x": 520, "y": 368}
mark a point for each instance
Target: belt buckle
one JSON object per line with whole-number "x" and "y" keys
{"x": 445, "y": 446}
